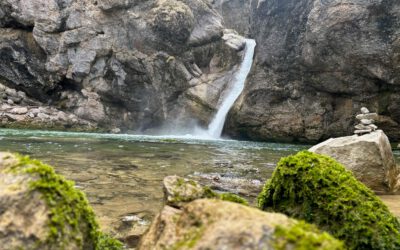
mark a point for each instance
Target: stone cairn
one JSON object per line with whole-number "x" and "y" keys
{"x": 366, "y": 122}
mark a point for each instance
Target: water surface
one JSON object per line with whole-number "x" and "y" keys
{"x": 122, "y": 174}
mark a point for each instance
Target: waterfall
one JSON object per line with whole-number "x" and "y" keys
{"x": 217, "y": 124}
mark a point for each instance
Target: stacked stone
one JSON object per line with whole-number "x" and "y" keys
{"x": 366, "y": 124}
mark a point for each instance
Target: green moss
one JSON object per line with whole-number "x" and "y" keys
{"x": 303, "y": 236}
{"x": 189, "y": 239}
{"x": 233, "y": 198}
{"x": 321, "y": 191}
{"x": 71, "y": 216}
{"x": 105, "y": 242}
{"x": 208, "y": 193}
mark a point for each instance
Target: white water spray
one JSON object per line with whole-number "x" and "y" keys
{"x": 217, "y": 124}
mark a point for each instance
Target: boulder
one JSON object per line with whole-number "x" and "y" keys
{"x": 215, "y": 224}
{"x": 369, "y": 157}
{"x": 42, "y": 210}
{"x": 319, "y": 190}
{"x": 179, "y": 191}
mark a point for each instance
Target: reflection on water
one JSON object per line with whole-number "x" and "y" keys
{"x": 122, "y": 174}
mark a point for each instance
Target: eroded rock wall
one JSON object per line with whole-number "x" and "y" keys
{"x": 236, "y": 14}
{"x": 317, "y": 63}
{"x": 134, "y": 65}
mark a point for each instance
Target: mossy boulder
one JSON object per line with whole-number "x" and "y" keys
{"x": 39, "y": 209}
{"x": 216, "y": 224}
{"x": 321, "y": 191}
{"x": 179, "y": 191}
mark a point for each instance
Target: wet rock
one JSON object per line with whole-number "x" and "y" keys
{"x": 369, "y": 157}
{"x": 41, "y": 210}
{"x": 214, "y": 224}
{"x": 178, "y": 190}
{"x": 131, "y": 227}
{"x": 241, "y": 186}
{"x": 319, "y": 190}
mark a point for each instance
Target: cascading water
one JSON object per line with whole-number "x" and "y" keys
{"x": 217, "y": 124}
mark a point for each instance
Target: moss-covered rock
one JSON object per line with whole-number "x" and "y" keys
{"x": 319, "y": 190}
{"x": 179, "y": 191}
{"x": 216, "y": 224}
{"x": 42, "y": 210}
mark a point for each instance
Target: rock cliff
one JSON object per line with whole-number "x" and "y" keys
{"x": 317, "y": 63}
{"x": 138, "y": 65}
{"x": 134, "y": 65}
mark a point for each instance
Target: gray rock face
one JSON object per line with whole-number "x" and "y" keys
{"x": 317, "y": 63}
{"x": 117, "y": 63}
{"x": 369, "y": 157}
{"x": 19, "y": 111}
{"x": 236, "y": 14}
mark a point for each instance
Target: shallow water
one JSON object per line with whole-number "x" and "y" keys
{"x": 122, "y": 174}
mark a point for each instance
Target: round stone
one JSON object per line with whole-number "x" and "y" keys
{"x": 364, "y": 110}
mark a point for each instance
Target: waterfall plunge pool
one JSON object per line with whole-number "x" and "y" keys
{"x": 122, "y": 174}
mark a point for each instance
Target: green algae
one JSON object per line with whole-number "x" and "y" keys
{"x": 319, "y": 190}
{"x": 303, "y": 236}
{"x": 233, "y": 198}
{"x": 71, "y": 216}
{"x": 210, "y": 194}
